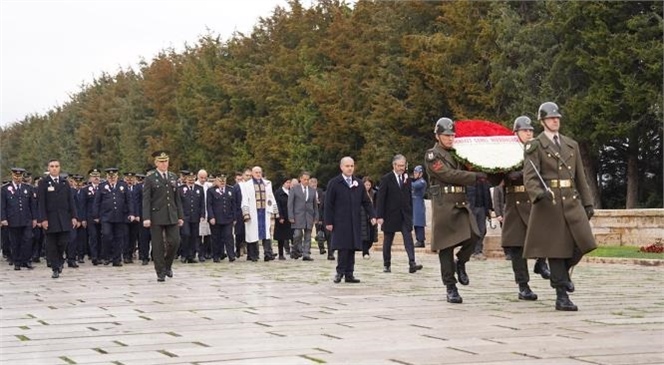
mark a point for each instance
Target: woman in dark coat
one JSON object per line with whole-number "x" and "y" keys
{"x": 282, "y": 227}
{"x": 369, "y": 232}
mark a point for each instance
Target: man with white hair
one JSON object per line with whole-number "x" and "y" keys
{"x": 205, "y": 249}
{"x": 258, "y": 204}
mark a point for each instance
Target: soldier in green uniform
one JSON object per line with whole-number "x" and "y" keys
{"x": 453, "y": 223}
{"x": 162, "y": 213}
{"x": 558, "y": 227}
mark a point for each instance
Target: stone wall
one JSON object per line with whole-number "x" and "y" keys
{"x": 624, "y": 227}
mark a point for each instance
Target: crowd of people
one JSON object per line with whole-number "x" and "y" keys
{"x": 544, "y": 209}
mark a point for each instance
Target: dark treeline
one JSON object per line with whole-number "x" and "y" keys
{"x": 310, "y": 85}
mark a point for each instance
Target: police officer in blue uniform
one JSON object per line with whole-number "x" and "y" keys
{"x": 135, "y": 225}
{"x": 94, "y": 228}
{"x": 76, "y": 247}
{"x": 193, "y": 206}
{"x": 143, "y": 233}
{"x": 114, "y": 210}
{"x": 19, "y": 214}
{"x": 222, "y": 212}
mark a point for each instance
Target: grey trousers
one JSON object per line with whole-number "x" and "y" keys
{"x": 302, "y": 248}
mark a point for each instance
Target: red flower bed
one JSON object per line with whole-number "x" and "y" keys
{"x": 656, "y": 247}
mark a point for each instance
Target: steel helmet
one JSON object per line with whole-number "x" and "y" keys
{"x": 445, "y": 126}
{"x": 521, "y": 123}
{"x": 548, "y": 110}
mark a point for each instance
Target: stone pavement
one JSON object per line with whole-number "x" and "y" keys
{"x": 290, "y": 312}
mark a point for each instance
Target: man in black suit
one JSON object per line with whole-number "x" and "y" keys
{"x": 395, "y": 212}
{"x": 344, "y": 198}
{"x": 57, "y": 214}
{"x": 221, "y": 213}
{"x": 19, "y": 213}
{"x": 193, "y": 206}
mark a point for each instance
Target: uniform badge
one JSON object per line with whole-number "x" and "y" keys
{"x": 230, "y": 193}
{"x": 430, "y": 156}
{"x": 184, "y": 190}
{"x": 198, "y": 192}
{"x": 25, "y": 191}
{"x": 437, "y": 166}
{"x": 531, "y": 146}
{"x": 50, "y": 188}
{"x": 269, "y": 203}
{"x": 121, "y": 188}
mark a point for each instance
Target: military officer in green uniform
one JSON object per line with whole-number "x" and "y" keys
{"x": 162, "y": 213}
{"x": 558, "y": 227}
{"x": 453, "y": 223}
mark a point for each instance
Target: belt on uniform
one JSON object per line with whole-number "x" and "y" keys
{"x": 453, "y": 189}
{"x": 515, "y": 189}
{"x": 560, "y": 183}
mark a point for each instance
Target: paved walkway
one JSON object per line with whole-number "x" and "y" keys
{"x": 286, "y": 312}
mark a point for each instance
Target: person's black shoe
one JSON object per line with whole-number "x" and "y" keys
{"x": 144, "y": 262}
{"x": 192, "y": 261}
{"x": 331, "y": 257}
{"x": 462, "y": 276}
{"x": 525, "y": 293}
{"x": 48, "y": 264}
{"x": 36, "y": 260}
{"x": 129, "y": 261}
{"x": 414, "y": 268}
{"x": 169, "y": 273}
{"x": 569, "y": 286}
{"x": 351, "y": 279}
{"x": 419, "y": 244}
{"x": 308, "y": 259}
{"x": 117, "y": 263}
{"x": 201, "y": 259}
{"x": 453, "y": 294}
{"x": 223, "y": 256}
{"x": 106, "y": 262}
{"x": 72, "y": 264}
{"x": 81, "y": 261}
{"x": 231, "y": 260}
{"x": 17, "y": 267}
{"x": 95, "y": 262}
{"x": 322, "y": 251}
{"x": 387, "y": 269}
{"x": 542, "y": 268}
{"x": 28, "y": 265}
{"x": 282, "y": 257}
{"x": 161, "y": 278}
{"x": 562, "y": 301}
{"x": 56, "y": 274}
{"x": 216, "y": 259}
{"x": 337, "y": 278}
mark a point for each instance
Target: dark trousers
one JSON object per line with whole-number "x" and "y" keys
{"x": 56, "y": 243}
{"x": 560, "y": 268}
{"x": 205, "y": 251}
{"x": 94, "y": 240}
{"x": 283, "y": 245}
{"x": 165, "y": 243}
{"x": 189, "y": 232}
{"x": 38, "y": 237}
{"x": 252, "y": 251}
{"x": 75, "y": 247}
{"x": 388, "y": 238}
{"x": 144, "y": 243}
{"x": 132, "y": 239}
{"x": 6, "y": 243}
{"x": 446, "y": 259}
{"x": 419, "y": 234}
{"x": 321, "y": 243}
{"x": 81, "y": 242}
{"x": 346, "y": 262}
{"x": 20, "y": 239}
{"x": 480, "y": 217}
{"x": 222, "y": 240}
{"x": 519, "y": 265}
{"x": 113, "y": 237}
{"x": 302, "y": 242}
{"x": 366, "y": 246}
{"x": 239, "y": 237}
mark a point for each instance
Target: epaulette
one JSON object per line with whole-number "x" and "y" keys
{"x": 151, "y": 172}
{"x": 531, "y": 146}
{"x": 430, "y": 155}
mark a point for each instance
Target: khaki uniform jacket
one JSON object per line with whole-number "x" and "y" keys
{"x": 517, "y": 212}
{"x": 453, "y": 222}
{"x": 554, "y": 229}
{"x": 161, "y": 202}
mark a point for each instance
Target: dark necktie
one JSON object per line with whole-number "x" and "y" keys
{"x": 400, "y": 181}
{"x": 348, "y": 181}
{"x": 56, "y": 180}
{"x": 556, "y": 142}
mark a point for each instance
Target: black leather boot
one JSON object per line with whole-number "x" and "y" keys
{"x": 525, "y": 293}
{"x": 562, "y": 301}
{"x": 542, "y": 268}
{"x": 453, "y": 294}
{"x": 462, "y": 276}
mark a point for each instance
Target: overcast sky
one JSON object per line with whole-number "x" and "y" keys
{"x": 48, "y": 48}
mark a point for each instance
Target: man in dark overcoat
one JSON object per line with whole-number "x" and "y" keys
{"x": 344, "y": 198}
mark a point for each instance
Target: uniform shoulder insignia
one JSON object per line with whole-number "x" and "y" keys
{"x": 151, "y": 172}
{"x": 430, "y": 156}
{"x": 531, "y": 146}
